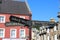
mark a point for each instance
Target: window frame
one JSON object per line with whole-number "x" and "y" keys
{"x": 15, "y": 33}
{"x": 4, "y": 19}
{"x": 3, "y": 33}
{"x": 24, "y": 33}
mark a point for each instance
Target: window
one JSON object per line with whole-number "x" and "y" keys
{"x": 2, "y": 32}
{"x": 2, "y": 19}
{"x": 13, "y": 33}
{"x": 22, "y": 33}
{"x": 22, "y": 17}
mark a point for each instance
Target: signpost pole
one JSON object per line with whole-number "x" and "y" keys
{"x": 30, "y": 33}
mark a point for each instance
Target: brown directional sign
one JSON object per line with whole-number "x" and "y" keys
{"x": 20, "y": 20}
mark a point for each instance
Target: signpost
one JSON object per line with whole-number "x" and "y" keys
{"x": 13, "y": 24}
{"x": 20, "y": 20}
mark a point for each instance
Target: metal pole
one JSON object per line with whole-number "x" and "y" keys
{"x": 30, "y": 33}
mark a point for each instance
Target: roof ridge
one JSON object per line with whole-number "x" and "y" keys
{"x": 27, "y": 6}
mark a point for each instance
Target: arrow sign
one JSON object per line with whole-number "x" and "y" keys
{"x": 20, "y": 20}
{"x": 13, "y": 24}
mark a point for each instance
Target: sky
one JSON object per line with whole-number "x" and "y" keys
{"x": 43, "y": 10}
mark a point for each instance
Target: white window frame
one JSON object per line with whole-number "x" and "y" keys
{"x": 22, "y": 17}
{"x": 3, "y": 33}
{"x": 4, "y": 19}
{"x": 15, "y": 33}
{"x": 24, "y": 33}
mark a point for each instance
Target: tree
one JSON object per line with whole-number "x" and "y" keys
{"x": 36, "y": 26}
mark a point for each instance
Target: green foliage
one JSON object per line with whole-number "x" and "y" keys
{"x": 36, "y": 26}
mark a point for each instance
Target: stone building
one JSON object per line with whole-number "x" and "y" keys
{"x": 40, "y": 25}
{"x": 49, "y": 30}
{"x": 35, "y": 34}
{"x": 58, "y": 32}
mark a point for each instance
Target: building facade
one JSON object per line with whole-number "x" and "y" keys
{"x": 10, "y": 30}
{"x": 35, "y": 34}
{"x": 40, "y": 32}
{"x": 49, "y": 31}
{"x": 58, "y": 31}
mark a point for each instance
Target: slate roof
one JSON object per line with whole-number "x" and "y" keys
{"x": 42, "y": 23}
{"x": 14, "y": 7}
